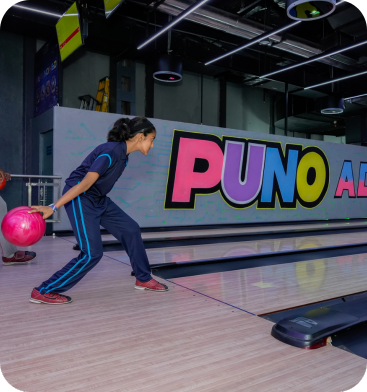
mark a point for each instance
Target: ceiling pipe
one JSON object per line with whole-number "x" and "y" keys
{"x": 235, "y": 25}
{"x": 254, "y": 41}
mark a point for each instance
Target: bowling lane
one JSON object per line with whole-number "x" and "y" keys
{"x": 184, "y": 254}
{"x": 220, "y": 348}
{"x": 266, "y": 229}
{"x": 272, "y": 288}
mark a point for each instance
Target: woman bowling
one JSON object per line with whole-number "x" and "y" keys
{"x": 88, "y": 207}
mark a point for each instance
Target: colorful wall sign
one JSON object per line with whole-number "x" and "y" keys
{"x": 245, "y": 172}
{"x": 46, "y": 84}
{"x": 110, "y": 6}
{"x": 68, "y": 32}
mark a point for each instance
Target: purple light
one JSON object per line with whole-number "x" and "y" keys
{"x": 171, "y": 78}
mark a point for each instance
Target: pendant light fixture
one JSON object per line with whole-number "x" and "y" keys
{"x": 306, "y": 10}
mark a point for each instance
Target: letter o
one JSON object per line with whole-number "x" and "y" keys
{"x": 310, "y": 195}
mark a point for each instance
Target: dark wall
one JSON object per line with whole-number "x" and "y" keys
{"x": 11, "y": 114}
{"x": 81, "y": 75}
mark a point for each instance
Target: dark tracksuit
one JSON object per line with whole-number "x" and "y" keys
{"x": 90, "y": 210}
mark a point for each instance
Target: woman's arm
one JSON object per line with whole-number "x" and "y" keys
{"x": 71, "y": 194}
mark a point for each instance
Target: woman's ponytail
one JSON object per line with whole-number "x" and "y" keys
{"x": 120, "y": 131}
{"x": 124, "y": 129}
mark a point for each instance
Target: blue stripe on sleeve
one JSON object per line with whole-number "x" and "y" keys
{"x": 106, "y": 156}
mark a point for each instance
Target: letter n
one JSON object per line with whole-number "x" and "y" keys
{"x": 280, "y": 177}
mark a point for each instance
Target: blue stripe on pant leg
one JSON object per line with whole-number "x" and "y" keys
{"x": 86, "y": 238}
{"x": 80, "y": 242}
{"x": 77, "y": 226}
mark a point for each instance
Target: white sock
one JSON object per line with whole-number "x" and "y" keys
{"x": 9, "y": 257}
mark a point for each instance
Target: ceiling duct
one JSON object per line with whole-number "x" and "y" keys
{"x": 306, "y": 10}
{"x": 229, "y": 23}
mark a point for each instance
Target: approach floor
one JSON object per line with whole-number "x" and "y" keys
{"x": 202, "y": 335}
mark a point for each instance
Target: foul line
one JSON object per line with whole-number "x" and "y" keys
{"x": 194, "y": 291}
{"x": 187, "y": 288}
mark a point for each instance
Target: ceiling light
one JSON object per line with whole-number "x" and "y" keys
{"x": 315, "y": 58}
{"x": 168, "y": 69}
{"x": 38, "y": 11}
{"x": 333, "y": 104}
{"x": 254, "y": 41}
{"x": 306, "y": 10}
{"x": 179, "y": 17}
{"x": 336, "y": 80}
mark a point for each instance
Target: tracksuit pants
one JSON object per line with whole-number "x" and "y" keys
{"x": 86, "y": 214}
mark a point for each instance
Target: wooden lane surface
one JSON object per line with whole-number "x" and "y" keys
{"x": 161, "y": 235}
{"x": 116, "y": 339}
{"x": 184, "y": 254}
{"x": 272, "y": 288}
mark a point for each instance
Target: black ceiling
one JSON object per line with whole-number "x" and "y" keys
{"x": 135, "y": 20}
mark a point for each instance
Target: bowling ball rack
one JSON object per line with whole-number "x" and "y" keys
{"x": 340, "y": 322}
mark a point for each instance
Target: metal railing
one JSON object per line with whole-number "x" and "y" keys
{"x": 42, "y": 191}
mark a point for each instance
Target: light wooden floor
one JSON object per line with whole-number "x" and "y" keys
{"x": 161, "y": 235}
{"x": 183, "y": 254}
{"x": 116, "y": 339}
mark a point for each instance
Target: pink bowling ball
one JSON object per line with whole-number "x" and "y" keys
{"x": 23, "y": 229}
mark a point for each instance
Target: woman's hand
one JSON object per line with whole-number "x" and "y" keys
{"x": 71, "y": 194}
{"x": 44, "y": 210}
{"x": 4, "y": 175}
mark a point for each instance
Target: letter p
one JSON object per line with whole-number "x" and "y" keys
{"x": 198, "y": 170}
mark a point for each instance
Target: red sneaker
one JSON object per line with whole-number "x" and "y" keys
{"x": 20, "y": 257}
{"x": 152, "y": 285}
{"x": 49, "y": 298}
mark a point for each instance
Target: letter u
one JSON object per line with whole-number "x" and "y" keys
{"x": 238, "y": 191}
